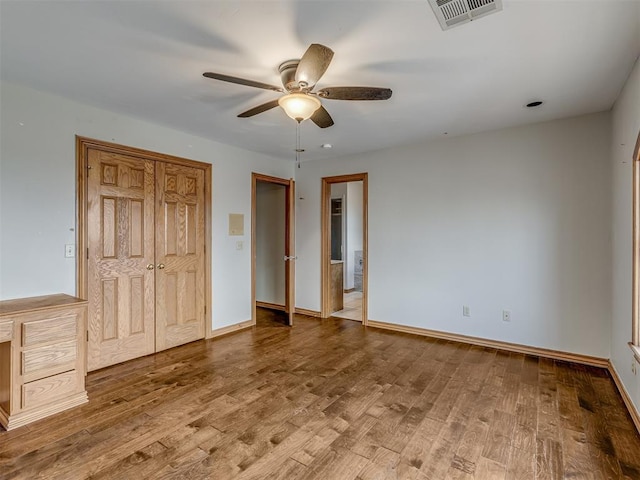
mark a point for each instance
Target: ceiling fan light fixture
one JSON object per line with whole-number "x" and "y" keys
{"x": 299, "y": 77}
{"x": 299, "y": 106}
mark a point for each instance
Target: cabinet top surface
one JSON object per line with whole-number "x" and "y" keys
{"x": 32, "y": 304}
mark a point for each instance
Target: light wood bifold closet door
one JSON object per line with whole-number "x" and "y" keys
{"x": 120, "y": 217}
{"x": 146, "y": 256}
{"x": 179, "y": 255}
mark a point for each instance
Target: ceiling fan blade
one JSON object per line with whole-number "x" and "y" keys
{"x": 259, "y": 109}
{"x": 355, "y": 93}
{"x": 313, "y": 64}
{"x": 322, "y": 118}
{"x": 242, "y": 81}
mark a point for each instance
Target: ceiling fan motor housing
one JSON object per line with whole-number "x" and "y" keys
{"x": 288, "y": 75}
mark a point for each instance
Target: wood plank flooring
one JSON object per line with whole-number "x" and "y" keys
{"x": 329, "y": 399}
{"x": 352, "y": 310}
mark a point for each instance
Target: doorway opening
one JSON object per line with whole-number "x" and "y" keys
{"x": 344, "y": 247}
{"x": 272, "y": 244}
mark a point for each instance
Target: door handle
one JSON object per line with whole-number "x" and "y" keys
{"x": 150, "y": 266}
{"x": 161, "y": 266}
{"x": 289, "y": 258}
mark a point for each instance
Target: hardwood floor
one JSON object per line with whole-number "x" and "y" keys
{"x": 332, "y": 400}
{"x": 352, "y": 307}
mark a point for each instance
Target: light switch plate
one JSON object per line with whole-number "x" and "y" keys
{"x": 69, "y": 250}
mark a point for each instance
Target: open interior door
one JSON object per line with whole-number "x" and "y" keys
{"x": 290, "y": 254}
{"x": 269, "y": 256}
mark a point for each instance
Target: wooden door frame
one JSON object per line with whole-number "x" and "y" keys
{"x": 83, "y": 144}
{"x": 289, "y": 247}
{"x": 325, "y": 264}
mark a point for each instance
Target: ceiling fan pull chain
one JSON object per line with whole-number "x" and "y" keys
{"x": 298, "y": 150}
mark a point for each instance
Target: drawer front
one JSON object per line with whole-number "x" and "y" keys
{"x": 44, "y": 361}
{"x": 49, "y": 389}
{"x": 49, "y": 330}
{"x": 6, "y": 331}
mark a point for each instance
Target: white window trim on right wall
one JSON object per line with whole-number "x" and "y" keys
{"x": 635, "y": 308}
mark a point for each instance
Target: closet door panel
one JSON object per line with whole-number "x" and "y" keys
{"x": 180, "y": 243}
{"x": 120, "y": 216}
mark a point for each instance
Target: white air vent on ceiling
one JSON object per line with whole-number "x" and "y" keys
{"x": 451, "y": 13}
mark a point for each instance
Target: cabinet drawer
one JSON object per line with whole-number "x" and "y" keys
{"x": 6, "y": 331}
{"x": 49, "y": 330}
{"x": 44, "y": 361}
{"x": 49, "y": 389}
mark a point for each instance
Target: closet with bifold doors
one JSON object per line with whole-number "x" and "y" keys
{"x": 144, "y": 222}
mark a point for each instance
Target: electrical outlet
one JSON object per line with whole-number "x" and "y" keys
{"x": 506, "y": 315}
{"x": 239, "y": 245}
{"x": 466, "y": 311}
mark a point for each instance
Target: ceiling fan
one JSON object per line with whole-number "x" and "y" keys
{"x": 299, "y": 77}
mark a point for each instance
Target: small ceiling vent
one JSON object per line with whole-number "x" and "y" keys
{"x": 451, "y": 13}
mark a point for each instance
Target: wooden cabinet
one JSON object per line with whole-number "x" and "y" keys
{"x": 42, "y": 357}
{"x": 6, "y": 330}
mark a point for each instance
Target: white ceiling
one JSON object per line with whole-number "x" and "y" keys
{"x": 146, "y": 59}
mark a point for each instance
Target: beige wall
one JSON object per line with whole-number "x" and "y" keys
{"x": 515, "y": 219}
{"x": 625, "y": 129}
